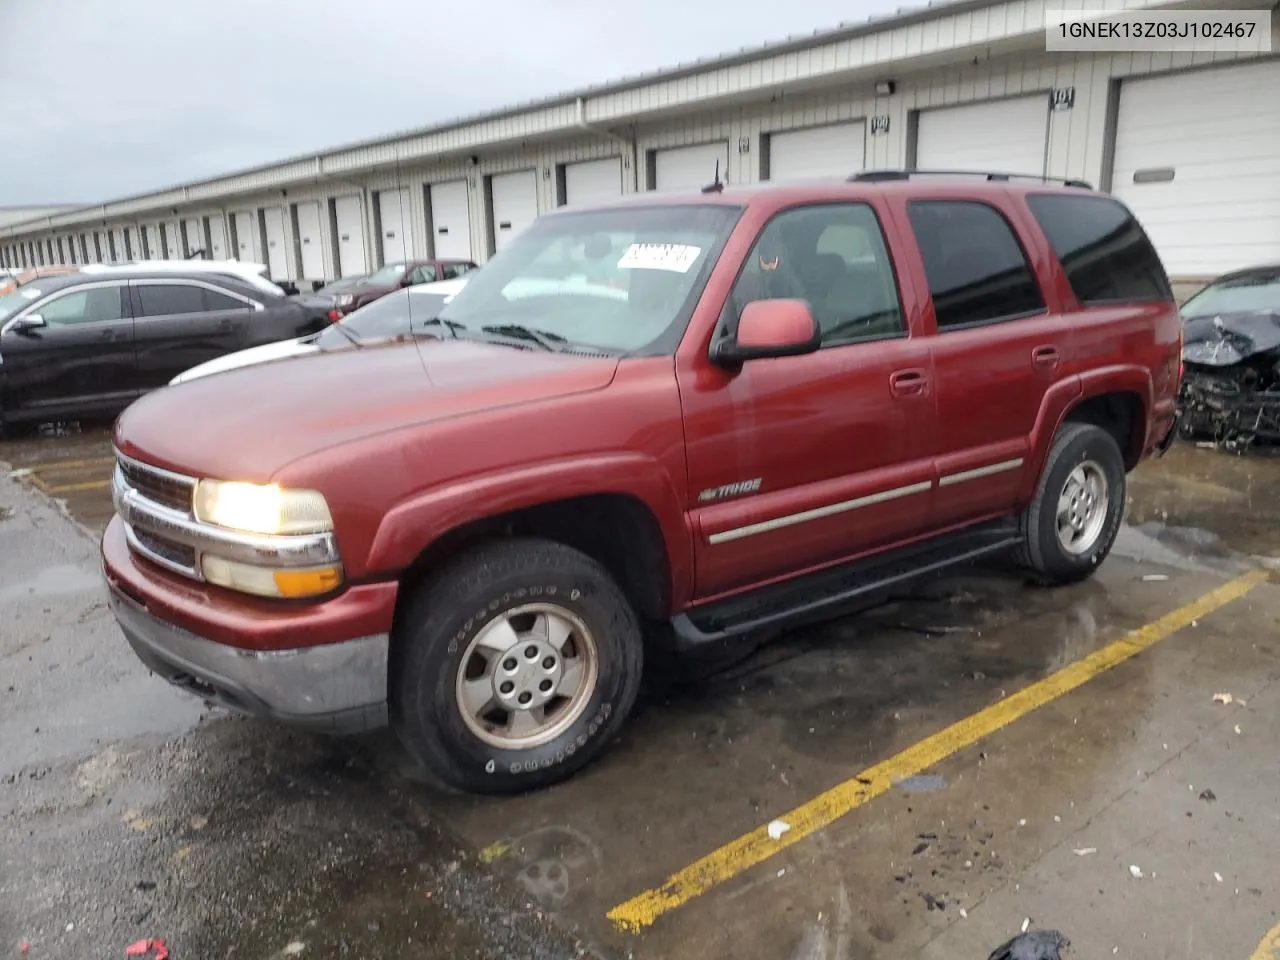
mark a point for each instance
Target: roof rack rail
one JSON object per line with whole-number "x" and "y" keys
{"x": 880, "y": 176}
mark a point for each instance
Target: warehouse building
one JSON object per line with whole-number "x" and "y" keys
{"x": 1190, "y": 141}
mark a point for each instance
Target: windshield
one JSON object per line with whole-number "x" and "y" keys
{"x": 384, "y": 318}
{"x": 15, "y": 300}
{"x": 1260, "y": 291}
{"x": 388, "y": 274}
{"x": 614, "y": 280}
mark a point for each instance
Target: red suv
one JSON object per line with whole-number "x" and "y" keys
{"x": 686, "y": 416}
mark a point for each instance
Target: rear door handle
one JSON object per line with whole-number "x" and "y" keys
{"x": 1045, "y": 358}
{"x": 907, "y": 383}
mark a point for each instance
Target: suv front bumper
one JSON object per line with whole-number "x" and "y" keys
{"x": 336, "y": 685}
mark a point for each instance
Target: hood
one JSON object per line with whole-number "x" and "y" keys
{"x": 1220, "y": 340}
{"x": 280, "y": 350}
{"x": 246, "y": 424}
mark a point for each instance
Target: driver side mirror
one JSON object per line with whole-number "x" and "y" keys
{"x": 29, "y": 323}
{"x": 770, "y": 328}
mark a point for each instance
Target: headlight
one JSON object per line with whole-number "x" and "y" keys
{"x": 254, "y": 508}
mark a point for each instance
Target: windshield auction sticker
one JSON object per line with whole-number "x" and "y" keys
{"x": 676, "y": 257}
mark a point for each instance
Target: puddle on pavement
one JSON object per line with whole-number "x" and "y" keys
{"x": 1179, "y": 498}
{"x": 52, "y": 581}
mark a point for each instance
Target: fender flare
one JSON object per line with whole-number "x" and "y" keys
{"x": 414, "y": 524}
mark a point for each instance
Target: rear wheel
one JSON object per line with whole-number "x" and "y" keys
{"x": 1072, "y": 522}
{"x": 514, "y": 667}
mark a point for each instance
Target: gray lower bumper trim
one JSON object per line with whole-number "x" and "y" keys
{"x": 337, "y": 688}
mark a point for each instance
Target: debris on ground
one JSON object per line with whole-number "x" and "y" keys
{"x": 932, "y": 902}
{"x": 1038, "y": 945}
{"x": 1135, "y": 871}
{"x": 1217, "y": 876}
{"x": 1154, "y": 578}
{"x": 1222, "y": 698}
{"x": 1085, "y": 851}
{"x": 777, "y": 828}
{"x": 24, "y": 947}
{"x": 144, "y": 948}
{"x": 1207, "y": 795}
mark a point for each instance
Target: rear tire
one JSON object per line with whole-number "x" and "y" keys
{"x": 1072, "y": 522}
{"x": 515, "y": 667}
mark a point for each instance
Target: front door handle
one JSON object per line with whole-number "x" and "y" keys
{"x": 1045, "y": 358}
{"x": 908, "y": 383}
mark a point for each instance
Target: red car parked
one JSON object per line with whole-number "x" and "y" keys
{"x": 733, "y": 410}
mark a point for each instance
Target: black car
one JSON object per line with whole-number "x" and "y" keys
{"x": 89, "y": 344}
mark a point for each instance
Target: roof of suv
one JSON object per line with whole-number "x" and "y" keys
{"x": 45, "y": 284}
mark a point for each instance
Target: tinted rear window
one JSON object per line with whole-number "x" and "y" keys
{"x": 1103, "y": 249}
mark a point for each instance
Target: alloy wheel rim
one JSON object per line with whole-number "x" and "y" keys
{"x": 1082, "y": 508}
{"x": 527, "y": 676}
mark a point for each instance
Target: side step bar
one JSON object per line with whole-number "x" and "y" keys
{"x": 815, "y": 593}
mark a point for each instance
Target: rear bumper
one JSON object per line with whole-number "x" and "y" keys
{"x": 334, "y": 688}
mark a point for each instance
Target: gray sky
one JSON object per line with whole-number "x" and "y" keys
{"x": 106, "y": 98}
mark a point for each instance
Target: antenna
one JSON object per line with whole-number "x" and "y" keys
{"x": 716, "y": 185}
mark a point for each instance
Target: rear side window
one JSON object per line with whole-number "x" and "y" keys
{"x": 220, "y": 301}
{"x": 1103, "y": 249}
{"x": 976, "y": 268}
{"x": 163, "y": 299}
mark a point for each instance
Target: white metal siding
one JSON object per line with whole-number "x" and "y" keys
{"x": 515, "y": 205}
{"x": 277, "y": 244}
{"x": 592, "y": 181}
{"x": 309, "y": 242}
{"x": 195, "y": 235}
{"x": 837, "y": 150}
{"x": 352, "y": 261}
{"x": 689, "y": 168}
{"x": 451, "y": 219}
{"x": 248, "y": 242}
{"x": 1006, "y": 135}
{"x": 397, "y": 235}
{"x": 217, "y": 237}
{"x": 1219, "y": 132}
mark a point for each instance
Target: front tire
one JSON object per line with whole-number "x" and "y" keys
{"x": 1076, "y": 513}
{"x": 514, "y": 668}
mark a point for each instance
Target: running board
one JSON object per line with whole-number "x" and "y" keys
{"x": 815, "y": 593}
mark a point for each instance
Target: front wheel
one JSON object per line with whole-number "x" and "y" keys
{"x": 1076, "y": 513}
{"x": 515, "y": 667}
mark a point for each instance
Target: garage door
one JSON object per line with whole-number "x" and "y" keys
{"x": 1198, "y": 161}
{"x": 248, "y": 241}
{"x": 1006, "y": 135}
{"x": 194, "y": 236}
{"x": 277, "y": 243}
{"x": 393, "y": 211}
{"x": 351, "y": 256}
{"x": 837, "y": 150}
{"x": 172, "y": 241}
{"x": 217, "y": 237}
{"x": 515, "y": 205}
{"x": 593, "y": 181}
{"x": 690, "y": 168}
{"x": 451, "y": 219}
{"x": 309, "y": 242}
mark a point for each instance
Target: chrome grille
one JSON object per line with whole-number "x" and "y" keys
{"x": 158, "y": 486}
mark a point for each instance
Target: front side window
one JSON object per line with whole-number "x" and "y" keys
{"x": 95, "y": 305}
{"x": 452, "y": 270}
{"x": 1247, "y": 293}
{"x": 1104, "y": 251}
{"x": 616, "y": 280}
{"x": 165, "y": 299}
{"x": 976, "y": 268}
{"x": 423, "y": 274}
{"x": 833, "y": 256}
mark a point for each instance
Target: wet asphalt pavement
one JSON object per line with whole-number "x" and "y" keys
{"x": 129, "y": 811}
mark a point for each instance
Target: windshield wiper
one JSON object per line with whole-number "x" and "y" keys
{"x": 544, "y": 339}
{"x": 346, "y": 333}
{"x": 453, "y": 325}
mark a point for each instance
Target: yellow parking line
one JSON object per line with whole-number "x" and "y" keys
{"x": 755, "y": 847}
{"x": 77, "y": 487}
{"x": 1269, "y": 948}
{"x": 59, "y": 465}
